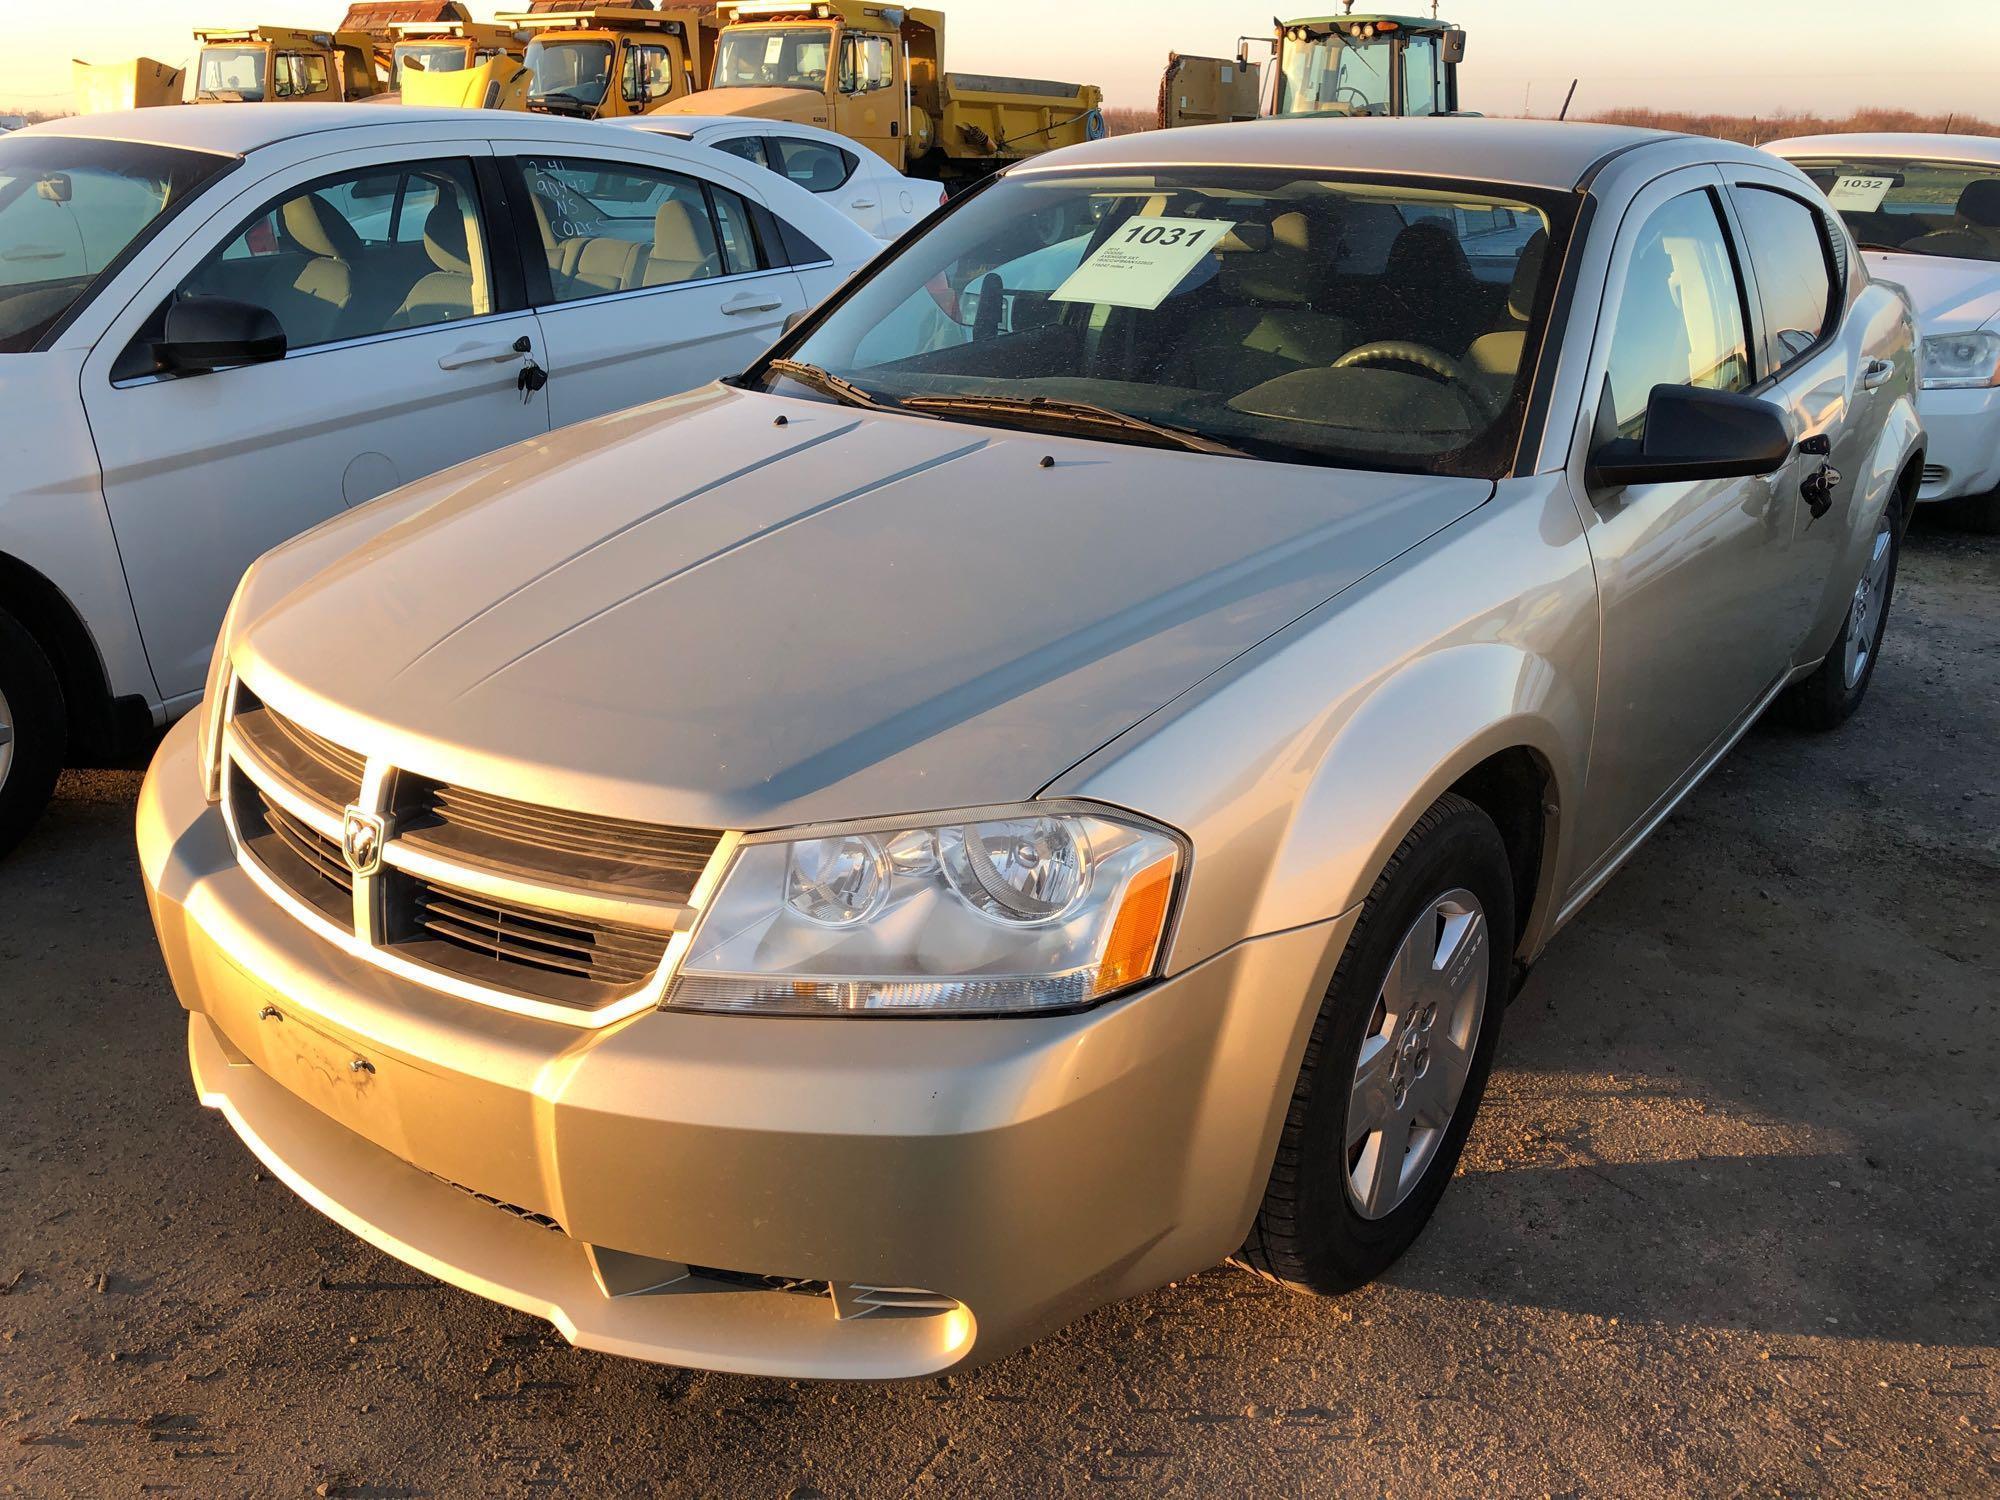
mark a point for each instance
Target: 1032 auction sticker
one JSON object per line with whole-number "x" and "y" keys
{"x": 1143, "y": 262}
{"x": 1862, "y": 194}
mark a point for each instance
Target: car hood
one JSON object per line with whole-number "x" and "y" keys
{"x": 1949, "y": 295}
{"x": 739, "y": 610}
{"x": 758, "y": 103}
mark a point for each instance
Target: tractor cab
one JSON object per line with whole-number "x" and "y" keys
{"x": 1345, "y": 65}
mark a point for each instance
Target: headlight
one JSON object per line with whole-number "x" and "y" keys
{"x": 1961, "y": 361}
{"x": 1016, "y": 910}
{"x": 214, "y": 703}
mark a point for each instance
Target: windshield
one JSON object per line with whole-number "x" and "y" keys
{"x": 231, "y": 74}
{"x": 1920, "y": 207}
{"x": 1298, "y": 317}
{"x": 1334, "y": 76}
{"x": 576, "y": 72}
{"x": 430, "y": 57}
{"x": 69, "y": 210}
{"x": 788, "y": 57}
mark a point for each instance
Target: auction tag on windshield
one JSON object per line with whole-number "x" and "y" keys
{"x": 1862, "y": 194}
{"x": 1141, "y": 264}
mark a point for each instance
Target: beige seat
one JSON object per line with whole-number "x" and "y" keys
{"x": 684, "y": 249}
{"x": 326, "y": 283}
{"x": 1269, "y": 275}
{"x": 600, "y": 264}
{"x": 1498, "y": 354}
{"x": 450, "y": 291}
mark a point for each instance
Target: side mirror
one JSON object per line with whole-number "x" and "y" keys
{"x": 1694, "y": 434}
{"x": 204, "y": 334}
{"x": 792, "y": 320}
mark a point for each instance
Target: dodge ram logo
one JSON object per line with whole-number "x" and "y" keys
{"x": 361, "y": 841}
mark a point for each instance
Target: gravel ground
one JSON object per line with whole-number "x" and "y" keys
{"x": 1726, "y": 1223}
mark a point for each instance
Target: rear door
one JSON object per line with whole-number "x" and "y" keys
{"x": 1815, "y": 368}
{"x": 654, "y": 280}
{"x": 406, "y": 335}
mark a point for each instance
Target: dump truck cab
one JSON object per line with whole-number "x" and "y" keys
{"x": 607, "y": 62}
{"x": 1344, "y": 65}
{"x": 451, "y": 47}
{"x": 283, "y": 65}
{"x": 875, "y": 74}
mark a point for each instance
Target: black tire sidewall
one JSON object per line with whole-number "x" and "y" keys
{"x": 1340, "y": 1247}
{"x": 41, "y": 733}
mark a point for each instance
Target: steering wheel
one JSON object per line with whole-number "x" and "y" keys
{"x": 1433, "y": 362}
{"x": 1364, "y": 106}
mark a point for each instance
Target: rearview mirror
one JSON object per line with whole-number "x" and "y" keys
{"x": 216, "y": 333}
{"x": 1694, "y": 434}
{"x": 54, "y": 188}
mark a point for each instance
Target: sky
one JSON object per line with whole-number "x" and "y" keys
{"x": 1733, "y": 56}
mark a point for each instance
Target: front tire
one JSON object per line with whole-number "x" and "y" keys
{"x": 1829, "y": 697}
{"x": 1397, "y": 1061}
{"x": 34, "y": 731}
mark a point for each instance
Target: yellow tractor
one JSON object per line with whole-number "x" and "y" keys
{"x": 1370, "y": 64}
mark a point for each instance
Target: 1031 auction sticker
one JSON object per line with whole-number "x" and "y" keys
{"x": 1143, "y": 262}
{"x": 1862, "y": 194}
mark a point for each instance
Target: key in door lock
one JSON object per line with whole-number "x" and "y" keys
{"x": 531, "y": 379}
{"x": 1817, "y": 488}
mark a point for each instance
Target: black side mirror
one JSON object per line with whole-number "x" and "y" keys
{"x": 1694, "y": 434}
{"x": 215, "y": 333}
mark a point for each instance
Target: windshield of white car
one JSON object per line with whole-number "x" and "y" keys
{"x": 71, "y": 211}
{"x": 1914, "y": 207}
{"x": 786, "y": 57}
{"x": 1277, "y": 314}
{"x": 573, "y": 74}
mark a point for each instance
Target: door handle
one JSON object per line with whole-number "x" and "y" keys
{"x": 751, "y": 302}
{"x": 1875, "y": 373}
{"x": 862, "y": 203}
{"x": 484, "y": 354}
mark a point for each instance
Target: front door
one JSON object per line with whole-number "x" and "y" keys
{"x": 1689, "y": 574}
{"x": 868, "y": 103}
{"x": 656, "y": 283}
{"x": 400, "y": 362}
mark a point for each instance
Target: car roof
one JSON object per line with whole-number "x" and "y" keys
{"x": 237, "y": 129}
{"x": 1926, "y": 146}
{"x": 1529, "y": 153}
{"x": 687, "y": 127}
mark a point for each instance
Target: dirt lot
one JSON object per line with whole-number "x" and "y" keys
{"x": 1727, "y": 1223}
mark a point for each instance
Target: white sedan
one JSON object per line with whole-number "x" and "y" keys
{"x": 841, "y": 172}
{"x": 1926, "y": 212}
{"x": 221, "y": 326}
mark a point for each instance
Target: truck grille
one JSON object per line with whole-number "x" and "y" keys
{"x": 559, "y": 913}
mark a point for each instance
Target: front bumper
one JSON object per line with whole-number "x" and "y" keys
{"x": 1962, "y": 455}
{"x": 1027, "y": 1170}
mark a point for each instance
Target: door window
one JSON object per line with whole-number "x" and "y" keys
{"x": 749, "y": 147}
{"x": 1421, "y": 95}
{"x": 867, "y": 63}
{"x": 359, "y": 253}
{"x": 814, "y": 165}
{"x": 646, "y": 79}
{"x": 1795, "y": 283}
{"x": 1680, "y": 317}
{"x": 299, "y": 75}
{"x": 619, "y": 227}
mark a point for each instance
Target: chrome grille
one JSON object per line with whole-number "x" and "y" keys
{"x": 547, "y": 911}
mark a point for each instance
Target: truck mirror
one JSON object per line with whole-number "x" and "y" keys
{"x": 1454, "y": 47}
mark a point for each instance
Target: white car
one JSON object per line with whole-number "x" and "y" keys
{"x": 221, "y": 326}
{"x": 1925, "y": 210}
{"x": 842, "y": 172}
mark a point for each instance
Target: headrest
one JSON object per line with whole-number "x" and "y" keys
{"x": 1980, "y": 202}
{"x": 1527, "y": 277}
{"x": 444, "y": 236}
{"x": 674, "y": 236}
{"x": 1425, "y": 251}
{"x": 1292, "y": 230}
{"x": 543, "y": 221}
{"x": 315, "y": 228}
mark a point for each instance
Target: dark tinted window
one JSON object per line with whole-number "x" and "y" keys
{"x": 1794, "y": 275}
{"x": 813, "y": 165}
{"x": 749, "y": 147}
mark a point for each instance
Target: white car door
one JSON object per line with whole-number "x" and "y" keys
{"x": 657, "y": 279}
{"x": 403, "y": 355}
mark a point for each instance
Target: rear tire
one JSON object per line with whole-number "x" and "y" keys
{"x": 1829, "y": 697}
{"x": 1334, "y": 1215}
{"x": 34, "y": 731}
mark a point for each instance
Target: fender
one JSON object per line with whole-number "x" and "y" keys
{"x": 1316, "y": 761}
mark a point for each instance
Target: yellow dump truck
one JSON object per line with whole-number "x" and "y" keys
{"x": 451, "y": 47}
{"x": 383, "y": 20}
{"x": 496, "y": 83}
{"x": 875, "y": 73}
{"x": 607, "y": 61}
{"x": 138, "y": 84}
{"x": 284, "y": 65}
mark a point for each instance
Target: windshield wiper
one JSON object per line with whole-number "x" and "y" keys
{"x": 1892, "y": 249}
{"x": 829, "y": 384}
{"x": 1082, "y": 413}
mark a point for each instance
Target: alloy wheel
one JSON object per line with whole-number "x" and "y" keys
{"x": 1871, "y": 594}
{"x": 1416, "y": 1053}
{"x": 6, "y": 738}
